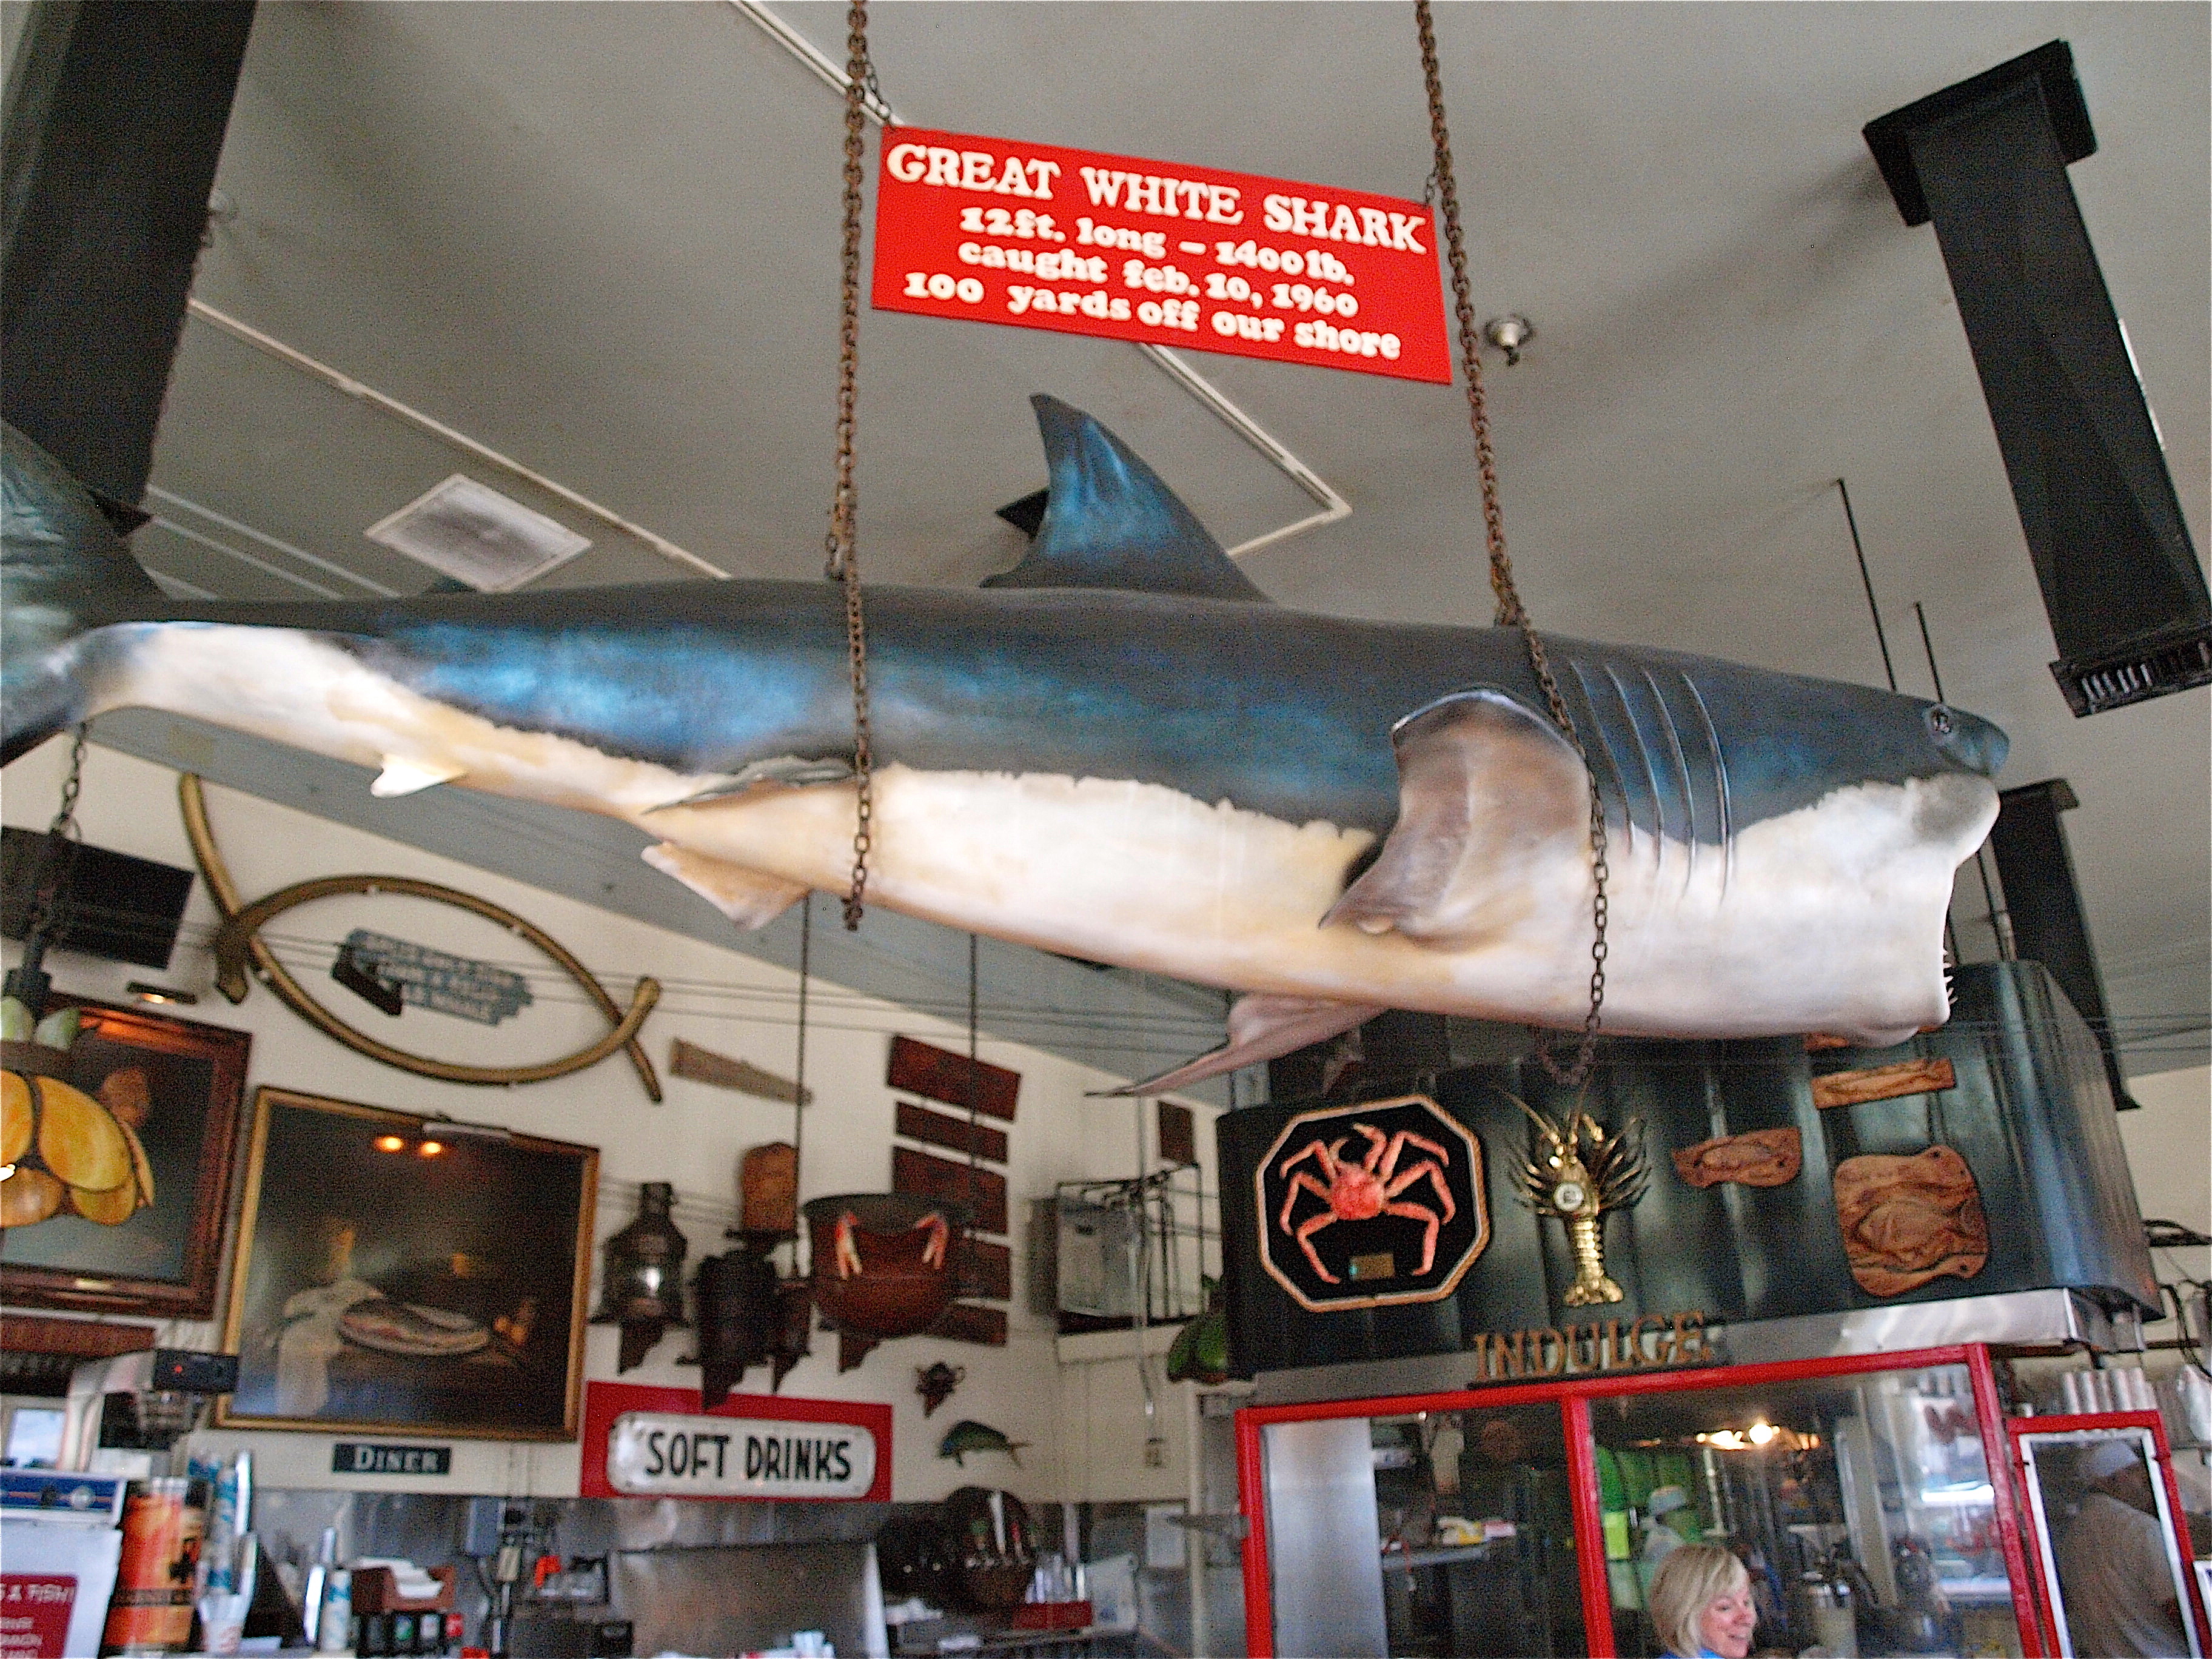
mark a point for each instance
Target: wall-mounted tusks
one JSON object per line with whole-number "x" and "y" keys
{"x": 237, "y": 944}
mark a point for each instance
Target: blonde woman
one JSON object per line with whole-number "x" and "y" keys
{"x": 1701, "y": 1605}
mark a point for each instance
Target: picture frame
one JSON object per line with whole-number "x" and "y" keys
{"x": 164, "y": 1258}
{"x": 403, "y": 1274}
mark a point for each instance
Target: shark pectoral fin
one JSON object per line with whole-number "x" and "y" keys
{"x": 1488, "y": 794}
{"x": 403, "y": 775}
{"x": 745, "y": 896}
{"x": 1261, "y": 1026}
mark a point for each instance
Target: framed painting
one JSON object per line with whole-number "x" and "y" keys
{"x": 124, "y": 1167}
{"x": 402, "y": 1275}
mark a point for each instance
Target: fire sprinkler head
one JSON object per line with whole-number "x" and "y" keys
{"x": 1510, "y": 333}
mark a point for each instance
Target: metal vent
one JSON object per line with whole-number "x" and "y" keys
{"x": 2137, "y": 674}
{"x": 472, "y": 533}
{"x": 1985, "y": 161}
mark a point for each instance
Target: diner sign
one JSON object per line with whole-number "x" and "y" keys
{"x": 363, "y": 1457}
{"x": 1653, "y": 1342}
{"x": 655, "y": 1443}
{"x": 1080, "y": 242}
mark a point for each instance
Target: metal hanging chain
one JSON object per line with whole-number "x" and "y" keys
{"x": 973, "y": 1079}
{"x": 844, "y": 564}
{"x": 50, "y": 903}
{"x": 798, "y": 1068}
{"x": 1511, "y": 613}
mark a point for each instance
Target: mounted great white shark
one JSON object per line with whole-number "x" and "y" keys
{"x": 1119, "y": 751}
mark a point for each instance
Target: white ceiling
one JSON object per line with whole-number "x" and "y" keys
{"x": 601, "y": 238}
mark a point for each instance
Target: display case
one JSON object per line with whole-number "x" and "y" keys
{"x": 1875, "y": 1501}
{"x": 2111, "y": 1558}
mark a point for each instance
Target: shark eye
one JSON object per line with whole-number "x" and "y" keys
{"x": 1940, "y": 722}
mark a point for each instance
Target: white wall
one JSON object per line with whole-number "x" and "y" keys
{"x": 2169, "y": 1145}
{"x": 729, "y": 1003}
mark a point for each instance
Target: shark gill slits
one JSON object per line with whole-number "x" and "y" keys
{"x": 1679, "y": 776}
{"x": 1656, "y": 743}
{"x": 1593, "y": 725}
{"x": 1720, "y": 776}
{"x": 1634, "y": 730}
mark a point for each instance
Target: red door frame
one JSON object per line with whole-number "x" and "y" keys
{"x": 2067, "y": 1422}
{"x": 1573, "y": 1396}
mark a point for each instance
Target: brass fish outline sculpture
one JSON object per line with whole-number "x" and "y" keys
{"x": 1120, "y": 751}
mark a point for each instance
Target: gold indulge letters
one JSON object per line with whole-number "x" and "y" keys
{"x": 1649, "y": 1343}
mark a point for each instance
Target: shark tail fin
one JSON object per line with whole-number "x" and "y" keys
{"x": 64, "y": 573}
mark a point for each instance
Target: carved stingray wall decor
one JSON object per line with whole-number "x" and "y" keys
{"x": 1757, "y": 1158}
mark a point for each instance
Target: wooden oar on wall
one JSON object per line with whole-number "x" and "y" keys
{"x": 689, "y": 1059}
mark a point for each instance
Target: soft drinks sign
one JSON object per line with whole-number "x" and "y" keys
{"x": 987, "y": 230}
{"x": 644, "y": 1442}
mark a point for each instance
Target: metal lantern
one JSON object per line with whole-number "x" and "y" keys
{"x": 740, "y": 1318}
{"x": 643, "y": 1291}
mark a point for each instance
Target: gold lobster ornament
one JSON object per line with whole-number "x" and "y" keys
{"x": 1580, "y": 1174}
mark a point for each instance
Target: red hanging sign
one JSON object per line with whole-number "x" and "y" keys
{"x": 986, "y": 230}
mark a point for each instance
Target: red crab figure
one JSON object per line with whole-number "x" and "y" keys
{"x": 1358, "y": 1190}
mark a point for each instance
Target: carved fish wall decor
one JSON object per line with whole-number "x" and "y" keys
{"x": 1908, "y": 1220}
{"x": 1121, "y": 752}
{"x": 1757, "y": 1158}
{"x": 969, "y": 1436}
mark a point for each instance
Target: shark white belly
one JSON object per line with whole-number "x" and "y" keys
{"x": 1140, "y": 875}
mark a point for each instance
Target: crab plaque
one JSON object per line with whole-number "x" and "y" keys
{"x": 1366, "y": 1205}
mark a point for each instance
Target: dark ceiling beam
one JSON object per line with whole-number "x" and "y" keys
{"x": 114, "y": 122}
{"x": 1986, "y": 161}
{"x": 2044, "y": 905}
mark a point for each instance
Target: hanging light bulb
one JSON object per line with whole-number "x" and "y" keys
{"x": 1761, "y": 1432}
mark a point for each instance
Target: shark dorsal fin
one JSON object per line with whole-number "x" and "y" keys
{"x": 1109, "y": 522}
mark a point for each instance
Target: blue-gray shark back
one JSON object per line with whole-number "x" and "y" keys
{"x": 1120, "y": 751}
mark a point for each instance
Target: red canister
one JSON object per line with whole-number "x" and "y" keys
{"x": 151, "y": 1611}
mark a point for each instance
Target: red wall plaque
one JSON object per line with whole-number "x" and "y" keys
{"x": 606, "y": 1404}
{"x": 988, "y": 230}
{"x": 35, "y": 1615}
